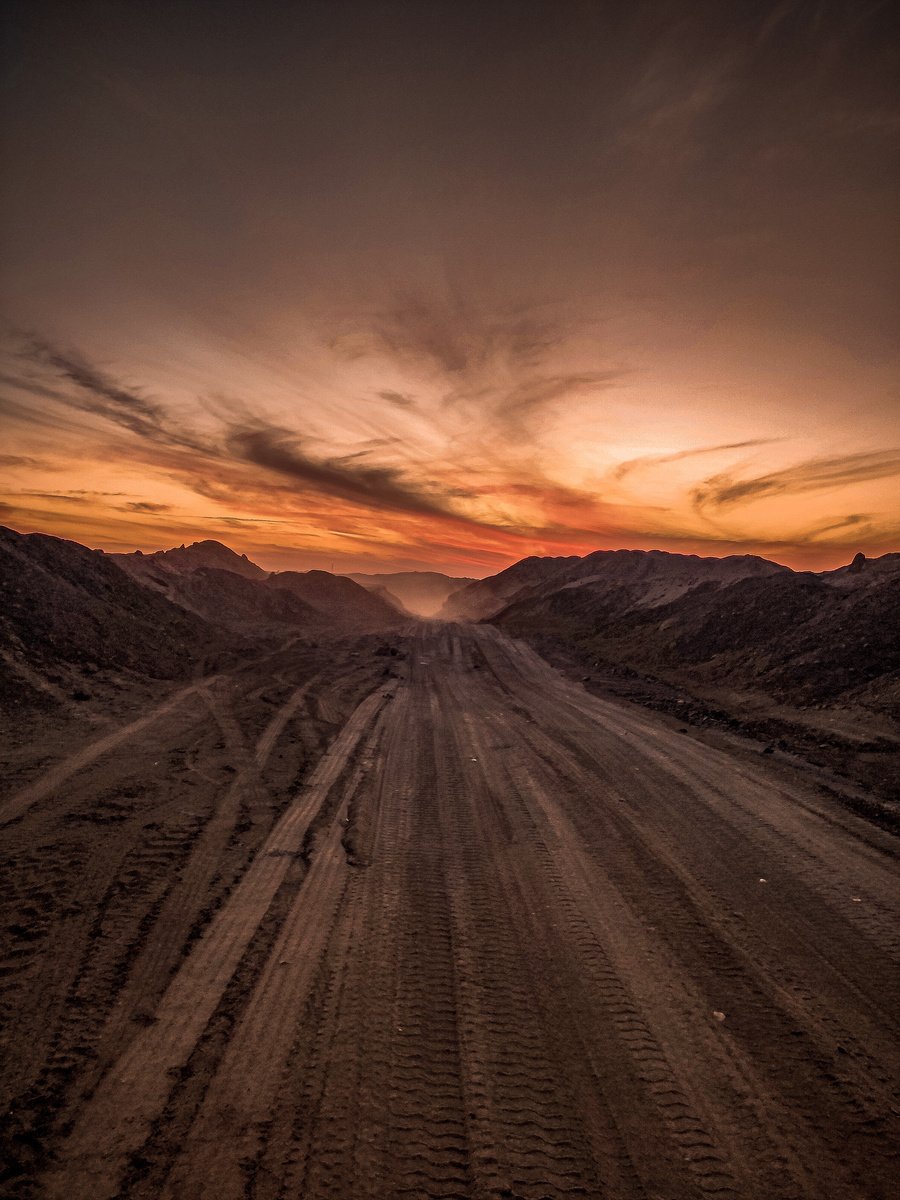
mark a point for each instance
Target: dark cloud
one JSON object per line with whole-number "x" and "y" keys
{"x": 657, "y": 460}
{"x": 860, "y": 523}
{"x": 100, "y": 394}
{"x": 498, "y": 360}
{"x": 34, "y": 388}
{"x": 20, "y": 460}
{"x": 816, "y": 474}
{"x": 145, "y": 506}
{"x": 346, "y": 477}
{"x": 281, "y": 451}
{"x": 457, "y": 340}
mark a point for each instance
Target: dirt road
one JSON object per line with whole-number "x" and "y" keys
{"x": 449, "y": 927}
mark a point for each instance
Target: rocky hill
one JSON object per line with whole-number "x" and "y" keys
{"x": 807, "y": 664}
{"x": 650, "y": 577}
{"x": 240, "y": 603}
{"x": 183, "y": 559}
{"x": 342, "y": 602}
{"x": 801, "y": 637}
{"x": 483, "y": 598}
{"x": 69, "y": 615}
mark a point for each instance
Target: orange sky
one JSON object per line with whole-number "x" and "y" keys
{"x": 393, "y": 288}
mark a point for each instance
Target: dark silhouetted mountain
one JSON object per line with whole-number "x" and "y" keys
{"x": 484, "y": 597}
{"x": 339, "y": 599}
{"x": 246, "y": 605}
{"x": 69, "y": 612}
{"x": 741, "y": 622}
{"x": 189, "y": 558}
{"x": 862, "y": 572}
{"x": 420, "y": 592}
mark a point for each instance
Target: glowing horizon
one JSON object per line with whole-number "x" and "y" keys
{"x": 641, "y": 297}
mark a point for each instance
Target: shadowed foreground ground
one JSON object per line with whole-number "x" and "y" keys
{"x": 502, "y": 939}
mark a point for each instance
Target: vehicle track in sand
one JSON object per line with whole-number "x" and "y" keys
{"x": 509, "y": 941}
{"x": 39, "y": 789}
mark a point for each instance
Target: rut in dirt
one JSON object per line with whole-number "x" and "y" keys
{"x": 506, "y": 939}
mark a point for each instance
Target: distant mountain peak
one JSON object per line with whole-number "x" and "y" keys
{"x": 206, "y": 553}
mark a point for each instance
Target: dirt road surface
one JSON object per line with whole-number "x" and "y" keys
{"x": 441, "y": 924}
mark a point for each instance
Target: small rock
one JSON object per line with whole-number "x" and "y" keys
{"x": 719, "y": 1016}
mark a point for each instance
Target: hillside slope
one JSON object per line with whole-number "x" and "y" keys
{"x": 798, "y": 636}
{"x": 343, "y": 602}
{"x": 483, "y": 598}
{"x": 67, "y": 613}
{"x": 244, "y": 604}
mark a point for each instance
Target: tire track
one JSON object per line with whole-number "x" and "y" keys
{"x": 523, "y": 953}
{"x": 40, "y": 789}
{"x": 117, "y": 1119}
{"x": 227, "y": 1135}
{"x": 189, "y": 894}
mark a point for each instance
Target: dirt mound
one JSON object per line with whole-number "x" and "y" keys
{"x": 343, "y": 602}
{"x": 485, "y": 597}
{"x": 654, "y": 575}
{"x": 798, "y": 636}
{"x": 224, "y": 598}
{"x": 69, "y": 613}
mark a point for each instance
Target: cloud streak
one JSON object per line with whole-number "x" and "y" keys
{"x": 252, "y": 442}
{"x": 103, "y": 396}
{"x": 817, "y": 474}
{"x": 659, "y": 460}
{"x": 280, "y": 451}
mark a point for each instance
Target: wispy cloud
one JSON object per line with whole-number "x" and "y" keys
{"x": 454, "y": 338}
{"x": 507, "y": 366}
{"x": 145, "y": 506}
{"x": 245, "y": 440}
{"x": 22, "y": 460}
{"x": 538, "y": 390}
{"x": 817, "y": 474}
{"x": 658, "y": 460}
{"x": 98, "y": 393}
{"x": 398, "y": 399}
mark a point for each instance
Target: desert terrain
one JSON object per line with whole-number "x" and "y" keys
{"x": 415, "y": 914}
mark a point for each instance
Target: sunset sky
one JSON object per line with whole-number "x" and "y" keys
{"x": 396, "y": 285}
